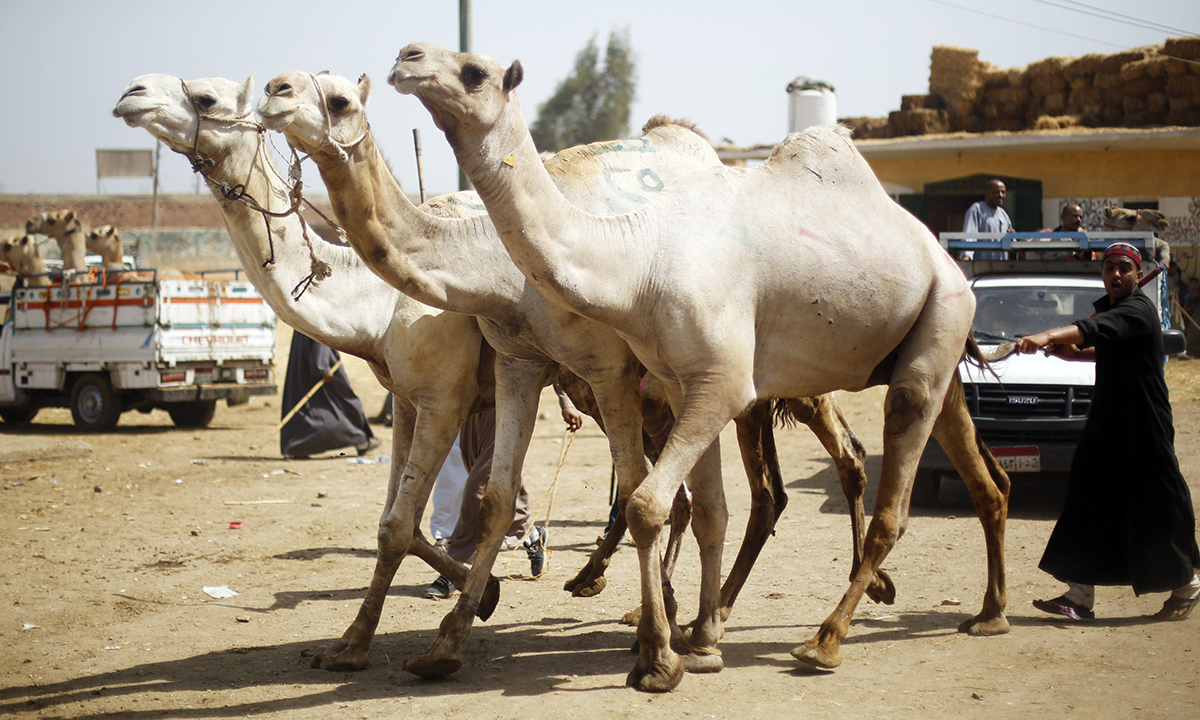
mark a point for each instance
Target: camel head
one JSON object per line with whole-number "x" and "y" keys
{"x": 470, "y": 96}
{"x": 103, "y": 239}
{"x": 57, "y": 224}
{"x": 24, "y": 255}
{"x": 1129, "y": 219}
{"x": 317, "y": 113}
{"x": 172, "y": 110}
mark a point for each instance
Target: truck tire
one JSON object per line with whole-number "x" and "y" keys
{"x": 94, "y": 405}
{"x": 926, "y": 487}
{"x": 22, "y": 415}
{"x": 195, "y": 414}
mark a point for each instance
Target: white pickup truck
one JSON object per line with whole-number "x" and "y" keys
{"x": 136, "y": 341}
{"x": 1031, "y": 412}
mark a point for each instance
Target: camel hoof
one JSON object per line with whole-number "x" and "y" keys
{"x": 664, "y": 676}
{"x": 633, "y": 617}
{"x": 339, "y": 659}
{"x": 704, "y": 662}
{"x": 587, "y": 589}
{"x": 813, "y": 655}
{"x": 882, "y": 589}
{"x": 981, "y": 627}
{"x": 487, "y": 601}
{"x": 430, "y": 667}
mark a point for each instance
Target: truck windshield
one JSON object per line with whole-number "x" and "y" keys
{"x": 1008, "y": 313}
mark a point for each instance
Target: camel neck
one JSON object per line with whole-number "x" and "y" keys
{"x": 579, "y": 260}
{"x": 452, "y": 263}
{"x": 345, "y": 310}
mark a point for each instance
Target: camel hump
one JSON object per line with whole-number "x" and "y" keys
{"x": 661, "y": 120}
{"x": 816, "y": 147}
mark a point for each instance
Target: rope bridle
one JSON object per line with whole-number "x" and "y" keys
{"x": 203, "y": 165}
{"x": 343, "y": 148}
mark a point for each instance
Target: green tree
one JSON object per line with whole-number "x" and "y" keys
{"x": 590, "y": 104}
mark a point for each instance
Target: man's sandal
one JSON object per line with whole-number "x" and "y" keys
{"x": 1062, "y": 606}
{"x": 1176, "y": 608}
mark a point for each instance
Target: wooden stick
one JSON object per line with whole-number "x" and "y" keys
{"x": 1190, "y": 319}
{"x": 420, "y": 170}
{"x": 307, "y": 397}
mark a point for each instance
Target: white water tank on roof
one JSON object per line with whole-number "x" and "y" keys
{"x": 810, "y": 102}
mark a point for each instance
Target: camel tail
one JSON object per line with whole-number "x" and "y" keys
{"x": 782, "y": 415}
{"x": 661, "y": 120}
{"x": 976, "y": 357}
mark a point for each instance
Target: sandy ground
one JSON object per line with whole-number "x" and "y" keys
{"x": 107, "y": 542}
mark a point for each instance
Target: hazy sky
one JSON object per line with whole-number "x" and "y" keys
{"x": 724, "y": 65}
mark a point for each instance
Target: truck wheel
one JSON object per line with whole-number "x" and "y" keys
{"x": 18, "y": 415}
{"x": 926, "y": 487}
{"x": 94, "y": 406}
{"x": 192, "y": 414}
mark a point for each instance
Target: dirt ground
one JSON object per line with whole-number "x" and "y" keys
{"x": 107, "y": 542}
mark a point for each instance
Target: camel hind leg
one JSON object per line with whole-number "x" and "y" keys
{"x": 989, "y": 487}
{"x": 917, "y": 387}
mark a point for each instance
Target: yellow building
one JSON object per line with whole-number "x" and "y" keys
{"x": 937, "y": 177}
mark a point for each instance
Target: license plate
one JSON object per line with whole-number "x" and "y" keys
{"x": 1019, "y": 459}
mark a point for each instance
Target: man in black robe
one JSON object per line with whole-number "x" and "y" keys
{"x": 1127, "y": 518}
{"x": 332, "y": 418}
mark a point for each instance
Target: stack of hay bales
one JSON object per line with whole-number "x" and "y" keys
{"x": 956, "y": 76}
{"x": 1154, "y": 85}
{"x": 1183, "y": 81}
{"x": 1003, "y": 101}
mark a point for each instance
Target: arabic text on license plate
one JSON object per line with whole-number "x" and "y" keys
{"x": 1019, "y": 459}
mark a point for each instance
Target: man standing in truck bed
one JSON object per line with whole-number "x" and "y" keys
{"x": 1127, "y": 518}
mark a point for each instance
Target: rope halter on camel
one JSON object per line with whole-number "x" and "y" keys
{"x": 343, "y": 148}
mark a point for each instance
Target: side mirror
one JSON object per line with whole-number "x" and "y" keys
{"x": 1174, "y": 341}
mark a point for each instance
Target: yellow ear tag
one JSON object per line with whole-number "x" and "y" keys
{"x": 509, "y": 160}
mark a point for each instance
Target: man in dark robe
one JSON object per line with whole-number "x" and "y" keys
{"x": 1127, "y": 518}
{"x": 332, "y": 418}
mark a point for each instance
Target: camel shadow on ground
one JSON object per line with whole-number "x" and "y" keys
{"x": 514, "y": 659}
{"x": 1032, "y": 497}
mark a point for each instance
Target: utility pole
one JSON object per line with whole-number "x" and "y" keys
{"x": 464, "y": 45}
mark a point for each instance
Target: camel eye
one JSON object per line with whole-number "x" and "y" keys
{"x": 339, "y": 103}
{"x": 206, "y": 101}
{"x": 473, "y": 75}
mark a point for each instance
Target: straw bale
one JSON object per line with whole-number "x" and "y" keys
{"x": 1178, "y": 85}
{"x": 917, "y": 102}
{"x": 1154, "y": 67}
{"x": 994, "y": 78}
{"x": 955, "y": 75}
{"x": 1135, "y": 105}
{"x": 1056, "y": 122}
{"x": 1156, "y": 102}
{"x": 1054, "y": 103}
{"x": 1179, "y": 103}
{"x": 1113, "y": 63}
{"x": 1086, "y": 96}
{"x": 1113, "y": 114}
{"x": 1178, "y": 116}
{"x": 1187, "y": 48}
{"x": 1083, "y": 66}
{"x": 1108, "y": 80}
{"x": 1010, "y": 94}
{"x": 1047, "y": 84}
{"x": 989, "y": 110}
{"x": 1080, "y": 83}
{"x": 1178, "y": 67}
{"x": 866, "y": 127}
{"x": 1144, "y": 86}
{"x": 918, "y": 122}
{"x": 1049, "y": 66}
{"x": 1016, "y": 76}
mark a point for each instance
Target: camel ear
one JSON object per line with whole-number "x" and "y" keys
{"x": 364, "y": 88}
{"x": 68, "y": 216}
{"x": 246, "y": 96}
{"x": 514, "y": 76}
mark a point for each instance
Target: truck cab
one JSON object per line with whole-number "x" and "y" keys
{"x": 1031, "y": 409}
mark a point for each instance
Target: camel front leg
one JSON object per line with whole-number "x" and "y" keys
{"x": 909, "y": 412}
{"x": 620, "y": 407}
{"x": 518, "y": 386}
{"x": 420, "y": 442}
{"x": 700, "y": 420}
{"x": 989, "y": 486}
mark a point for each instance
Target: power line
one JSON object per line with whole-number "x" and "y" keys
{"x": 1054, "y": 30}
{"x": 1118, "y": 17}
